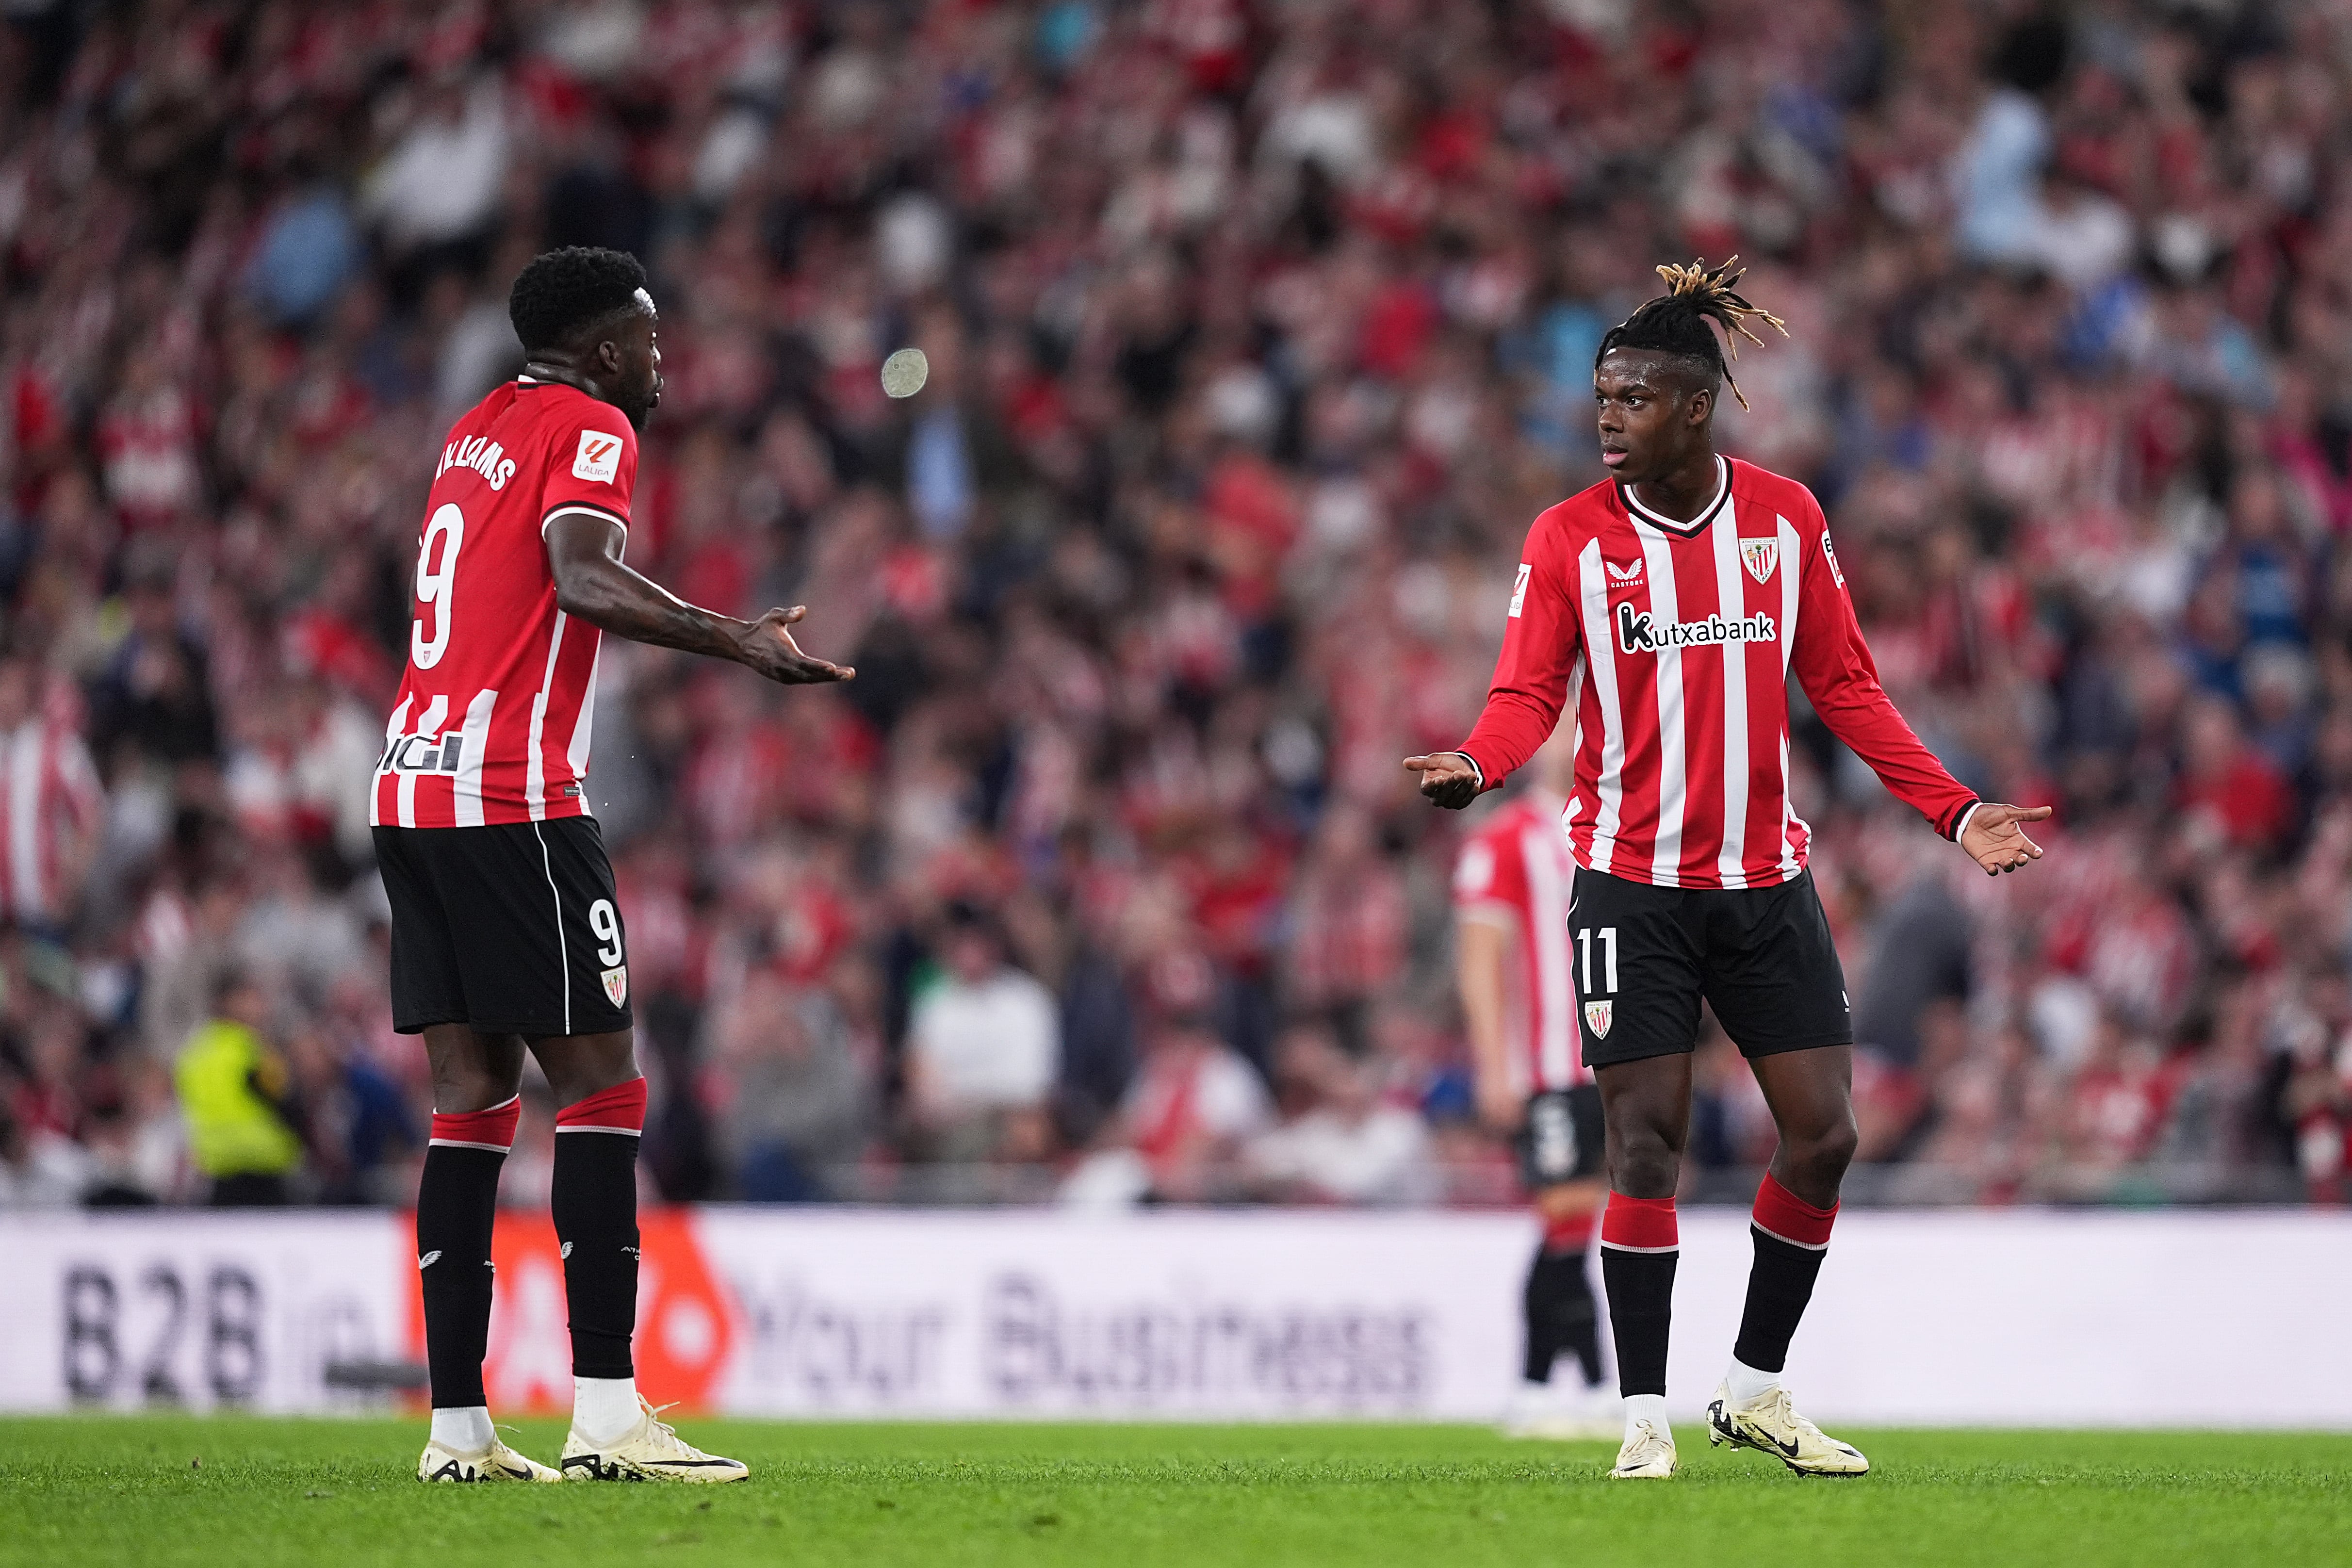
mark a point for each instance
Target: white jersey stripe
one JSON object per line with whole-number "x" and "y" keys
{"x": 576, "y": 754}
{"x": 1732, "y": 602}
{"x": 1592, "y": 587}
{"x": 474, "y": 744}
{"x": 1555, "y": 993}
{"x": 1666, "y": 856}
{"x": 397, "y": 726}
{"x": 1793, "y": 565}
{"x": 535, "y": 783}
{"x": 435, "y": 713}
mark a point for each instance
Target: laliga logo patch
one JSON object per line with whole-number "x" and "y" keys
{"x": 1598, "y": 1016}
{"x": 616, "y": 985}
{"x": 599, "y": 459}
{"x": 1829, "y": 554}
{"x": 1520, "y": 592}
{"x": 1760, "y": 555}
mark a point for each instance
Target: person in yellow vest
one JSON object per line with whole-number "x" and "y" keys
{"x": 235, "y": 1094}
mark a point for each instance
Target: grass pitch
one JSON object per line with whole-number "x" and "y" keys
{"x": 157, "y": 1491}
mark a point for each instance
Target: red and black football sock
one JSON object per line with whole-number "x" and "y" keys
{"x": 1792, "y": 1238}
{"x": 1561, "y": 1313}
{"x": 456, "y": 1204}
{"x": 1638, "y": 1248}
{"x": 594, "y": 1200}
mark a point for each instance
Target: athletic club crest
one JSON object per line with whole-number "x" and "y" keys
{"x": 1598, "y": 1016}
{"x": 616, "y": 985}
{"x": 1761, "y": 555}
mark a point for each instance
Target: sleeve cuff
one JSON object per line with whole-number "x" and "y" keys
{"x": 1475, "y": 769}
{"x": 1960, "y": 823}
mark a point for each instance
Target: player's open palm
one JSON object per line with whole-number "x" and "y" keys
{"x": 769, "y": 649}
{"x": 1996, "y": 838}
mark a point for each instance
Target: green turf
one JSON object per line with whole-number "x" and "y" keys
{"x": 253, "y": 1493}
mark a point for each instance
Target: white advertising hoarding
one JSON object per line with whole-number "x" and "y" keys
{"x": 1968, "y": 1318}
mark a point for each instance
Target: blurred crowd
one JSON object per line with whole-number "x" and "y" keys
{"x": 1259, "y": 330}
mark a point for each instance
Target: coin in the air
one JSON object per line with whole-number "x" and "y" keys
{"x": 904, "y": 372}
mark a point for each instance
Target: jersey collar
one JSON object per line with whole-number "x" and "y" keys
{"x": 1695, "y": 525}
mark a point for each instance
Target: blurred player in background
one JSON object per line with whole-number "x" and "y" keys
{"x": 506, "y": 928}
{"x": 1511, "y": 885}
{"x": 1671, "y": 603}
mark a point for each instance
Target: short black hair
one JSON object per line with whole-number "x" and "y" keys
{"x": 1676, "y": 323}
{"x": 565, "y": 292}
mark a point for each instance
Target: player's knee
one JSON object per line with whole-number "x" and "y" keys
{"x": 1823, "y": 1155}
{"x": 587, "y": 1064}
{"x": 1643, "y": 1164}
{"x": 472, "y": 1075}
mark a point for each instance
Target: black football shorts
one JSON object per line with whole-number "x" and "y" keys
{"x": 513, "y": 927}
{"x": 1561, "y": 1140}
{"x": 1762, "y": 958}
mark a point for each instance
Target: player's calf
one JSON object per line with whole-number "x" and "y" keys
{"x": 456, "y": 1204}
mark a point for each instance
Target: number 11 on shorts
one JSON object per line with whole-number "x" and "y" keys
{"x": 1608, "y": 957}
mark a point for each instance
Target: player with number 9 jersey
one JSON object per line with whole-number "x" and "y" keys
{"x": 494, "y": 716}
{"x": 506, "y": 925}
{"x": 508, "y": 921}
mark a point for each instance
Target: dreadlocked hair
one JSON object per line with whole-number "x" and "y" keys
{"x": 1676, "y": 323}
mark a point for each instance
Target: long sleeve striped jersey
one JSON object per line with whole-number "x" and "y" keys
{"x": 1674, "y": 642}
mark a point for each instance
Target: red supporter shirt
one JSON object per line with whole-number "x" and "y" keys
{"x": 1674, "y": 640}
{"x": 1516, "y": 869}
{"x": 492, "y": 722}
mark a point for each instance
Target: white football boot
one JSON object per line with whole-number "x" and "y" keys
{"x": 1771, "y": 1425}
{"x": 496, "y": 1463}
{"x": 1648, "y": 1455}
{"x": 1558, "y": 1415}
{"x": 649, "y": 1451}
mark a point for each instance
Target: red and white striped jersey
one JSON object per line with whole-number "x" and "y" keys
{"x": 50, "y": 802}
{"x": 1676, "y": 641}
{"x": 493, "y": 718}
{"x": 1516, "y": 869}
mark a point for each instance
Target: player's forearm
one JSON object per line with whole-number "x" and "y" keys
{"x": 1877, "y": 733}
{"x": 1516, "y": 721}
{"x": 613, "y": 597}
{"x": 1478, "y": 971}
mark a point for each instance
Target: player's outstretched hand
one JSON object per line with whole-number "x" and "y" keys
{"x": 1446, "y": 778}
{"x": 768, "y": 647}
{"x": 1997, "y": 841}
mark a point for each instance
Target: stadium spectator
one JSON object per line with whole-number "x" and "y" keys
{"x": 1338, "y": 1141}
{"x": 50, "y": 804}
{"x": 796, "y": 1100}
{"x": 983, "y": 1047}
{"x": 1194, "y": 1105}
{"x": 237, "y": 1096}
